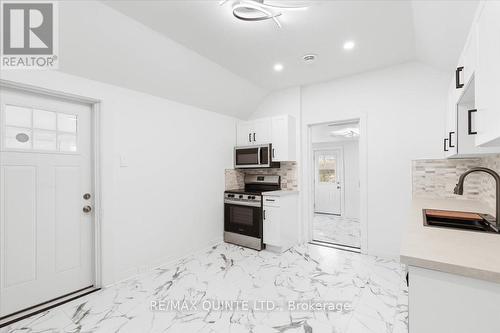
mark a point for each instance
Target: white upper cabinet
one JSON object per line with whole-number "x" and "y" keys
{"x": 488, "y": 75}
{"x": 450, "y": 136}
{"x": 254, "y": 132}
{"x": 262, "y": 131}
{"x": 469, "y": 56}
{"x": 473, "y": 111}
{"x": 283, "y": 138}
{"x": 278, "y": 131}
{"x": 244, "y": 132}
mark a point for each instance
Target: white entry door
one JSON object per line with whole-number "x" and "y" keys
{"x": 45, "y": 162}
{"x": 328, "y": 181}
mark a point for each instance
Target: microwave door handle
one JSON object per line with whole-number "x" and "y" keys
{"x": 259, "y": 151}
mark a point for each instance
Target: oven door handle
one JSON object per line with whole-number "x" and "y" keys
{"x": 241, "y": 203}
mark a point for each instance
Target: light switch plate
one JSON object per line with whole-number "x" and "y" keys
{"x": 123, "y": 161}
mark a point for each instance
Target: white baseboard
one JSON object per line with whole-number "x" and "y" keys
{"x": 137, "y": 271}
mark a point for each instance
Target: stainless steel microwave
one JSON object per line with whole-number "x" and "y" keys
{"x": 258, "y": 156}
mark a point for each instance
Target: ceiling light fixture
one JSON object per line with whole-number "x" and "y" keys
{"x": 349, "y": 132}
{"x": 349, "y": 45}
{"x": 309, "y": 58}
{"x": 278, "y": 67}
{"x": 257, "y": 10}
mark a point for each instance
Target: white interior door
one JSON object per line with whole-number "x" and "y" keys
{"x": 45, "y": 163}
{"x": 328, "y": 181}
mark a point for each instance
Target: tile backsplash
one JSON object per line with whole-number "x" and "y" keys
{"x": 287, "y": 171}
{"x": 437, "y": 178}
{"x": 487, "y": 182}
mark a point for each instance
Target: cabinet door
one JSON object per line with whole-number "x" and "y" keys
{"x": 271, "y": 230}
{"x": 469, "y": 56}
{"x": 488, "y": 75}
{"x": 280, "y": 138}
{"x": 450, "y": 144}
{"x": 283, "y": 138}
{"x": 261, "y": 131}
{"x": 244, "y": 133}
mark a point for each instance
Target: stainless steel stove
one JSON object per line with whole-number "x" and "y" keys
{"x": 243, "y": 211}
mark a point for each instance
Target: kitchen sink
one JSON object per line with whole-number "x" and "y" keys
{"x": 459, "y": 220}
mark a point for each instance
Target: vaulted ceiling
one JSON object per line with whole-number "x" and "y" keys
{"x": 385, "y": 33}
{"x": 197, "y": 52}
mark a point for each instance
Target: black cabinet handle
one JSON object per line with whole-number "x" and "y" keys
{"x": 270, "y": 200}
{"x": 254, "y": 137}
{"x": 449, "y": 141}
{"x": 445, "y": 145}
{"x": 458, "y": 85}
{"x": 264, "y": 212}
{"x": 273, "y": 152}
{"x": 469, "y": 120}
{"x": 249, "y": 137}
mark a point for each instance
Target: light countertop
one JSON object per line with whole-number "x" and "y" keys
{"x": 280, "y": 193}
{"x": 461, "y": 252}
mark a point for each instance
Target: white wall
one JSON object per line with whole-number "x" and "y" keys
{"x": 404, "y": 109}
{"x": 350, "y": 149}
{"x": 156, "y": 209}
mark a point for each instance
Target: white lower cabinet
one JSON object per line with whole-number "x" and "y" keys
{"x": 441, "y": 302}
{"x": 272, "y": 228}
{"x": 281, "y": 229}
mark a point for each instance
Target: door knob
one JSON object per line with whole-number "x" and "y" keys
{"x": 87, "y": 209}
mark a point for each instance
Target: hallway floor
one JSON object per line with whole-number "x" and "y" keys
{"x": 337, "y": 230}
{"x": 372, "y": 289}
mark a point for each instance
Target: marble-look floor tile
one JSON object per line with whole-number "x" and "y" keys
{"x": 337, "y": 230}
{"x": 372, "y": 288}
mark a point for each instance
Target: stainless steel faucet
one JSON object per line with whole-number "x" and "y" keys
{"x": 459, "y": 189}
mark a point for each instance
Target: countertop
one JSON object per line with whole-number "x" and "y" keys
{"x": 280, "y": 193}
{"x": 461, "y": 252}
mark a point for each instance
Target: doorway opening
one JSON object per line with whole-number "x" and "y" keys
{"x": 336, "y": 184}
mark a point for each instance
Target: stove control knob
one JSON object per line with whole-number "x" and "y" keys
{"x": 252, "y": 197}
{"x": 241, "y": 196}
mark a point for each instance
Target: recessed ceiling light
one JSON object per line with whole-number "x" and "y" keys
{"x": 349, "y": 45}
{"x": 278, "y": 67}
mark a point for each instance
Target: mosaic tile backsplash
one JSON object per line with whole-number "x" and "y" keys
{"x": 287, "y": 171}
{"x": 437, "y": 178}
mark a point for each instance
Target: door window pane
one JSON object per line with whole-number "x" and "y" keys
{"x": 36, "y": 129}
{"x": 327, "y": 168}
{"x": 66, "y": 122}
{"x": 44, "y": 140}
{"x": 44, "y": 119}
{"x": 17, "y": 116}
{"x": 66, "y": 142}
{"x": 17, "y": 138}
